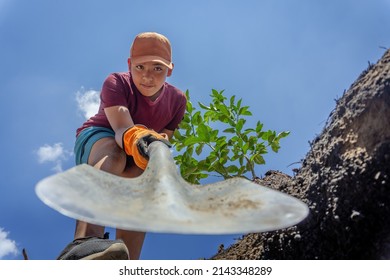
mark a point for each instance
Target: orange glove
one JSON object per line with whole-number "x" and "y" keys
{"x": 135, "y": 142}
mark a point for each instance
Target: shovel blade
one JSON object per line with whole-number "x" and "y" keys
{"x": 160, "y": 200}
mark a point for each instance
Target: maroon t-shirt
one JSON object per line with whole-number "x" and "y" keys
{"x": 118, "y": 89}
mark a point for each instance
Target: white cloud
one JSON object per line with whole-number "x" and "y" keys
{"x": 55, "y": 153}
{"x": 7, "y": 246}
{"x": 50, "y": 153}
{"x": 88, "y": 102}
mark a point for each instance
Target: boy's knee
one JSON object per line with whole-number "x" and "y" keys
{"x": 108, "y": 156}
{"x": 117, "y": 156}
{"x": 115, "y": 150}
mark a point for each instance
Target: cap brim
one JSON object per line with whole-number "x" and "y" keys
{"x": 150, "y": 58}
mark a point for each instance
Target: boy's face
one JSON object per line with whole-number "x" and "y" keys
{"x": 149, "y": 77}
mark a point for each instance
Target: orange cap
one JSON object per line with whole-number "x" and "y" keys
{"x": 151, "y": 47}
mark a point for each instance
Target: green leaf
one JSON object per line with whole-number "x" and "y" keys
{"x": 214, "y": 92}
{"x": 201, "y": 105}
{"x": 230, "y": 130}
{"x": 189, "y": 107}
{"x": 240, "y": 124}
{"x": 244, "y": 111}
{"x": 283, "y": 134}
{"x": 271, "y": 137}
{"x": 203, "y": 132}
{"x": 259, "y": 127}
{"x": 258, "y": 159}
{"x": 232, "y": 101}
{"x": 199, "y": 149}
{"x": 245, "y": 148}
{"x": 239, "y": 103}
{"x": 249, "y": 130}
{"x": 264, "y": 135}
{"x": 232, "y": 169}
{"x": 191, "y": 140}
{"x": 196, "y": 118}
{"x": 275, "y": 147}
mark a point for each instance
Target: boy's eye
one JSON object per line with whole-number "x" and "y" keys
{"x": 158, "y": 68}
{"x": 139, "y": 67}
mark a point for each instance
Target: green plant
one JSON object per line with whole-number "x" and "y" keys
{"x": 233, "y": 152}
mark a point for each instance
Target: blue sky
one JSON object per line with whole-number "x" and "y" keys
{"x": 287, "y": 60}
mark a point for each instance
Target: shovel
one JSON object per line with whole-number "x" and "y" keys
{"x": 160, "y": 200}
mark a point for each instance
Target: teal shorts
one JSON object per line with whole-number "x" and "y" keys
{"x": 85, "y": 140}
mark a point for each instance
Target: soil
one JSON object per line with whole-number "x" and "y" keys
{"x": 344, "y": 179}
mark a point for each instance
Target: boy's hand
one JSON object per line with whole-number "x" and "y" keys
{"x": 136, "y": 141}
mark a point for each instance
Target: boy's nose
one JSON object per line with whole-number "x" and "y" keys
{"x": 147, "y": 75}
{"x": 147, "y": 78}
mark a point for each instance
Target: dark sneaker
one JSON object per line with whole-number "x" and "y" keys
{"x": 95, "y": 248}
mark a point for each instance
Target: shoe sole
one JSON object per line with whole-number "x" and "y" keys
{"x": 114, "y": 252}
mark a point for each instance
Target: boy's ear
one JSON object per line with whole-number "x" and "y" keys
{"x": 129, "y": 63}
{"x": 170, "y": 70}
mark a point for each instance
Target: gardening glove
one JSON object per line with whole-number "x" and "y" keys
{"x": 136, "y": 141}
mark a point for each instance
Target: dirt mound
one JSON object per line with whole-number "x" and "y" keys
{"x": 345, "y": 180}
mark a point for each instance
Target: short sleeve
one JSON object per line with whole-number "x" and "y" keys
{"x": 178, "y": 117}
{"x": 113, "y": 92}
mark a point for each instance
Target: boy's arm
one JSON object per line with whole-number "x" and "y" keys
{"x": 133, "y": 139}
{"x": 120, "y": 120}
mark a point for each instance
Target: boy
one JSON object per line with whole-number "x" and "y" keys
{"x": 136, "y": 108}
